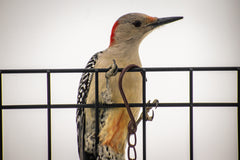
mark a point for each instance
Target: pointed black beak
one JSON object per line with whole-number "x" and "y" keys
{"x": 165, "y": 20}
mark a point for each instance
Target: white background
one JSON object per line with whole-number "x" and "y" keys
{"x": 38, "y": 34}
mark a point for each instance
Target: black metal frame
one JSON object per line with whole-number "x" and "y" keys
{"x": 191, "y": 103}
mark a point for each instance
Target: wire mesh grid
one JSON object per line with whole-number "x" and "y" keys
{"x": 191, "y": 104}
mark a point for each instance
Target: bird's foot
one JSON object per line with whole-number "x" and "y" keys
{"x": 107, "y": 93}
{"x": 148, "y": 108}
{"x": 113, "y": 69}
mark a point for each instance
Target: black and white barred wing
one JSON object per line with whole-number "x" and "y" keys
{"x": 85, "y": 81}
{"x": 83, "y": 89}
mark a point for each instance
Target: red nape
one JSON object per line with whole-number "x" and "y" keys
{"x": 113, "y": 32}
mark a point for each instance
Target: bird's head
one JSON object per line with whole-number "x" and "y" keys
{"x": 133, "y": 27}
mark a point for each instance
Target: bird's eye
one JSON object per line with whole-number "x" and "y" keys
{"x": 137, "y": 23}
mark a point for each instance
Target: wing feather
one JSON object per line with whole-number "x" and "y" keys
{"x": 83, "y": 90}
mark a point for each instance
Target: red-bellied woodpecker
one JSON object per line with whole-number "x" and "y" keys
{"x": 127, "y": 34}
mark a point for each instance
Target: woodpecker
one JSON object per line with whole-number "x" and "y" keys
{"x": 127, "y": 33}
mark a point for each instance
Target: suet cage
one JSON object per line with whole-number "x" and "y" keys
{"x": 191, "y": 104}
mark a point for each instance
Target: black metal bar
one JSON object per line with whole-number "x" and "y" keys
{"x": 238, "y": 110}
{"x": 96, "y": 113}
{"x": 49, "y": 115}
{"x": 148, "y": 69}
{"x": 191, "y": 113}
{"x": 214, "y": 104}
{"x": 1, "y": 119}
{"x": 26, "y": 106}
{"x": 144, "y": 113}
{"x": 116, "y": 105}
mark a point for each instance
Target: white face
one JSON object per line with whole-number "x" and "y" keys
{"x": 133, "y": 28}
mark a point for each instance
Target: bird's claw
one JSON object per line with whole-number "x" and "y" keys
{"x": 113, "y": 69}
{"x": 148, "y": 117}
{"x": 156, "y": 102}
{"x": 148, "y": 108}
{"x": 107, "y": 93}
